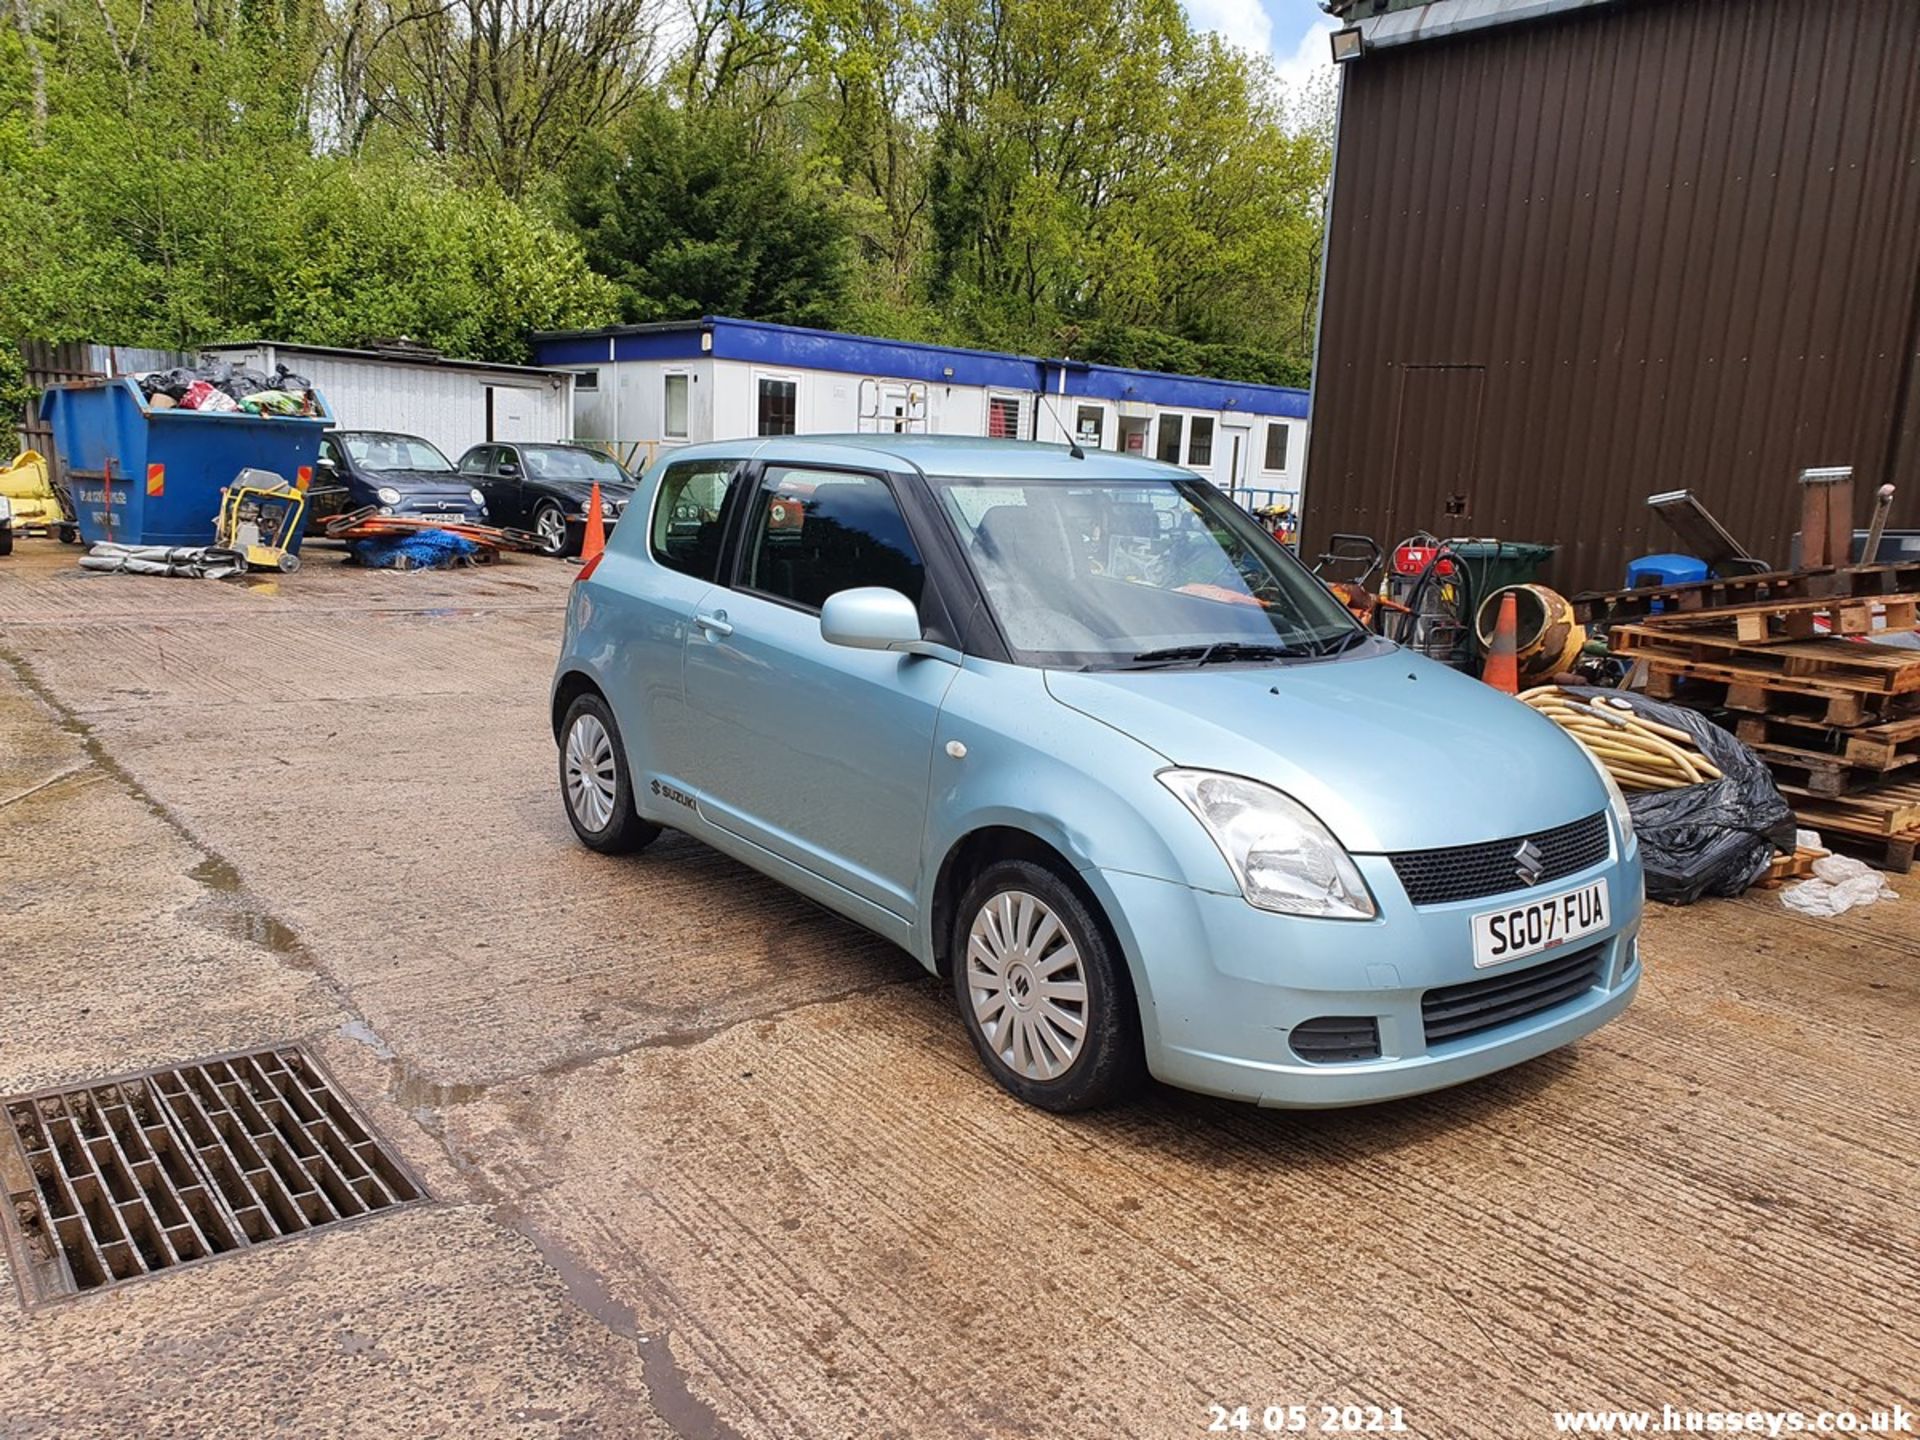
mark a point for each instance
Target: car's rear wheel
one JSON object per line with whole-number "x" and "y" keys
{"x": 1042, "y": 990}
{"x": 550, "y": 525}
{"x": 594, "y": 781}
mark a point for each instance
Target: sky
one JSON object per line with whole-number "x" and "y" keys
{"x": 1292, "y": 32}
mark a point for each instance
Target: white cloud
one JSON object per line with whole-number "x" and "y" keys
{"x": 1247, "y": 24}
{"x": 1239, "y": 22}
{"x": 1312, "y": 57}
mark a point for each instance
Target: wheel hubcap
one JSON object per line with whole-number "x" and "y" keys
{"x": 1027, "y": 985}
{"x": 590, "y": 772}
{"x": 553, "y": 530}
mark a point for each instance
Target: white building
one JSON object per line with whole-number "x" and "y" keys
{"x": 641, "y": 388}
{"x": 453, "y": 403}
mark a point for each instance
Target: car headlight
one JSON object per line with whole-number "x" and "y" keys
{"x": 1283, "y": 857}
{"x": 607, "y": 509}
{"x": 477, "y": 498}
{"x": 1616, "y": 802}
{"x": 388, "y": 495}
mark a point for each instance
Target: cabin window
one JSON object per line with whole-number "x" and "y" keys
{"x": 1003, "y": 417}
{"x": 779, "y": 404}
{"x": 1200, "y": 442}
{"x": 1087, "y": 425}
{"x": 674, "y": 427}
{"x": 586, "y": 379}
{"x": 1169, "y": 448}
{"x": 1276, "y": 446}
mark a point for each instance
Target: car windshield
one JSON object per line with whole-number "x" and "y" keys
{"x": 563, "y": 462}
{"x": 394, "y": 452}
{"x": 1147, "y": 574}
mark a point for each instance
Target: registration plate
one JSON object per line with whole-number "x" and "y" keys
{"x": 1527, "y": 929}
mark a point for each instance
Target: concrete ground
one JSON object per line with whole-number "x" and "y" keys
{"x": 708, "y": 1162}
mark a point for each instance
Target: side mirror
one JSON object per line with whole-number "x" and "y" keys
{"x": 325, "y": 463}
{"x": 870, "y": 618}
{"x": 509, "y": 469}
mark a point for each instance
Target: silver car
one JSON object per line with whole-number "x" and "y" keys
{"x": 1077, "y": 733}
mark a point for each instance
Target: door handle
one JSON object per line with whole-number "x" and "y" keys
{"x": 714, "y": 624}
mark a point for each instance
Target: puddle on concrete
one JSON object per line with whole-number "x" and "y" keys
{"x": 416, "y": 1091}
{"x": 226, "y": 911}
{"x": 225, "y": 907}
{"x": 366, "y": 1035}
{"x": 690, "y": 1417}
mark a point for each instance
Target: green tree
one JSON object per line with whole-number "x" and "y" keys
{"x": 692, "y": 214}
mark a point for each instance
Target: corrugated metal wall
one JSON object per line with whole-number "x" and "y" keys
{"x": 1665, "y": 245}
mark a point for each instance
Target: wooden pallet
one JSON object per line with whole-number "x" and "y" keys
{"x": 1607, "y": 606}
{"x": 1883, "y": 812}
{"x": 1797, "y": 866}
{"x": 1815, "y": 772}
{"x": 1891, "y": 745}
{"x": 1771, "y": 622}
{"x": 1840, "y": 709}
{"x": 1894, "y": 853}
{"x": 1809, "y": 667}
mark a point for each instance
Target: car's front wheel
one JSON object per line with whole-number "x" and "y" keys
{"x": 1042, "y": 990}
{"x": 550, "y": 526}
{"x": 594, "y": 781}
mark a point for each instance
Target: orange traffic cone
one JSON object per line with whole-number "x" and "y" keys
{"x": 595, "y": 538}
{"x": 1502, "y": 671}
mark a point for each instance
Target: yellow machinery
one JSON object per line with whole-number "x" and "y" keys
{"x": 28, "y": 484}
{"x": 260, "y": 516}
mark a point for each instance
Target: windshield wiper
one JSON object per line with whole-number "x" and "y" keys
{"x": 1220, "y": 652}
{"x": 1340, "y": 644}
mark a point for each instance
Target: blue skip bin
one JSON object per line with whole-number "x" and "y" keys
{"x": 141, "y": 476}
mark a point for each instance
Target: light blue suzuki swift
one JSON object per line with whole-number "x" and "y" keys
{"x": 1075, "y": 731}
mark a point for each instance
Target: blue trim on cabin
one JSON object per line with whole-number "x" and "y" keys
{"x": 795, "y": 347}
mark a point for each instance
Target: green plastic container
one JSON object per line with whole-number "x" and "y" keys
{"x": 1495, "y": 564}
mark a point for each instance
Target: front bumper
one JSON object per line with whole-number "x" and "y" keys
{"x": 465, "y": 515}
{"x": 1222, "y": 985}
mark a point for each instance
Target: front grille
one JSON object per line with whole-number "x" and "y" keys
{"x": 1454, "y": 1012}
{"x": 1336, "y": 1039}
{"x": 1468, "y": 872}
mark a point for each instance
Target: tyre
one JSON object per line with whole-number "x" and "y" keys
{"x": 550, "y": 524}
{"x": 6, "y": 539}
{"x": 1043, "y": 992}
{"x": 69, "y": 535}
{"x": 594, "y": 783}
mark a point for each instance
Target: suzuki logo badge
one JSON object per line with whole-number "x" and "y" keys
{"x": 1526, "y": 862}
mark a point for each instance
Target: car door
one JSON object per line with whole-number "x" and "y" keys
{"x": 819, "y": 753}
{"x": 510, "y": 483}
{"x": 476, "y": 468}
{"x": 685, "y": 529}
{"x": 327, "y": 496}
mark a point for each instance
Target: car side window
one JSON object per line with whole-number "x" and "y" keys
{"x": 474, "y": 462}
{"x": 814, "y": 533}
{"x": 687, "y": 516}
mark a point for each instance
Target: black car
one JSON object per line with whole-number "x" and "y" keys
{"x": 545, "y": 489}
{"x": 396, "y": 474}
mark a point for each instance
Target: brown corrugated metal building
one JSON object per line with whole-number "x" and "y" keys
{"x": 1582, "y": 251}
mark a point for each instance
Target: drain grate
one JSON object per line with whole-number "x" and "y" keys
{"x": 117, "y": 1179}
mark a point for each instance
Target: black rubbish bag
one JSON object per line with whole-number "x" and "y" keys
{"x": 1711, "y": 839}
{"x": 285, "y": 379}
{"x": 245, "y": 382}
{"x": 170, "y": 382}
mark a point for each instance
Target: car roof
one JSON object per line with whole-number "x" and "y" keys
{"x": 380, "y": 434}
{"x": 961, "y": 456}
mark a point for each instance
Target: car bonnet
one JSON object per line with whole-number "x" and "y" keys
{"x": 1392, "y": 752}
